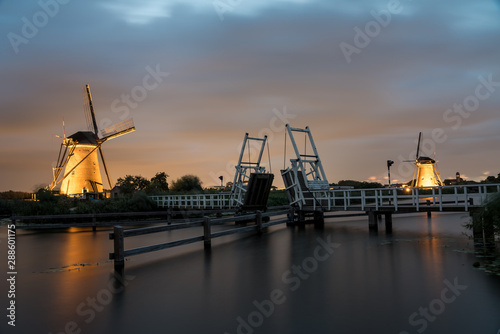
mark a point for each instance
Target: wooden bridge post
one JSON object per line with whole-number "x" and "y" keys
{"x": 372, "y": 219}
{"x": 207, "y": 237}
{"x": 429, "y": 213}
{"x": 169, "y": 216}
{"x": 258, "y": 221}
{"x": 319, "y": 218}
{"x": 388, "y": 222}
{"x": 291, "y": 216}
{"x": 119, "y": 248}
{"x": 94, "y": 221}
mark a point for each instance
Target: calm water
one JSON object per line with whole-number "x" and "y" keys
{"x": 341, "y": 279}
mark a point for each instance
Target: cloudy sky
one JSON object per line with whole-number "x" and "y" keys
{"x": 195, "y": 75}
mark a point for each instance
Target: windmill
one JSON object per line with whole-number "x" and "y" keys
{"x": 426, "y": 173}
{"x": 77, "y": 168}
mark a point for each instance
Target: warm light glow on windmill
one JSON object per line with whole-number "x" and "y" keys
{"x": 77, "y": 166}
{"x": 426, "y": 173}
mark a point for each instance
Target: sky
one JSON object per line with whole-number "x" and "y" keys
{"x": 365, "y": 76}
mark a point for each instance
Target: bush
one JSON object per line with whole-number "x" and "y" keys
{"x": 141, "y": 202}
{"x": 491, "y": 213}
{"x": 277, "y": 198}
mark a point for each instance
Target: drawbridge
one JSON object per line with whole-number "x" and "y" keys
{"x": 309, "y": 192}
{"x": 249, "y": 191}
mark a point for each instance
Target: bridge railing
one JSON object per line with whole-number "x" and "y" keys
{"x": 444, "y": 196}
{"x": 199, "y": 201}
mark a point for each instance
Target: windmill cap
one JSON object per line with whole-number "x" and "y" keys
{"x": 426, "y": 160}
{"x": 84, "y": 137}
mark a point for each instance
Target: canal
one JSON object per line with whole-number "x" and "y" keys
{"x": 337, "y": 279}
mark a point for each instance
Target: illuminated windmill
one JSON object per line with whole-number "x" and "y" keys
{"x": 426, "y": 172}
{"x": 78, "y": 154}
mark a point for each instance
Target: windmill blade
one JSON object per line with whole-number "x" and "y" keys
{"x": 89, "y": 111}
{"x": 86, "y": 109}
{"x": 64, "y": 129}
{"x": 105, "y": 168}
{"x": 62, "y": 160}
{"x": 418, "y": 145}
{"x": 118, "y": 129}
{"x": 57, "y": 170}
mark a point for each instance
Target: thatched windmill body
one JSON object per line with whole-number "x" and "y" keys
{"x": 78, "y": 157}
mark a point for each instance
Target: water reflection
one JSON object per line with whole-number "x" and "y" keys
{"x": 370, "y": 283}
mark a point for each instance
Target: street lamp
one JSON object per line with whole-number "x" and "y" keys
{"x": 389, "y": 164}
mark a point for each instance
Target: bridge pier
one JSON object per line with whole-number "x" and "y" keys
{"x": 373, "y": 217}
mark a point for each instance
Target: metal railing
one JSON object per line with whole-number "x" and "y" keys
{"x": 200, "y": 201}
{"x": 443, "y": 197}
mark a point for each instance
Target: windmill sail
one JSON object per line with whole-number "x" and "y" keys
{"x": 88, "y": 107}
{"x": 118, "y": 129}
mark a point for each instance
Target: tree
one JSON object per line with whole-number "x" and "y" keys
{"x": 130, "y": 184}
{"x": 490, "y": 179}
{"x": 158, "y": 183}
{"x": 45, "y": 195}
{"x": 187, "y": 183}
{"x": 359, "y": 184}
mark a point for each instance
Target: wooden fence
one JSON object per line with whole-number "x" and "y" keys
{"x": 95, "y": 220}
{"x": 119, "y": 234}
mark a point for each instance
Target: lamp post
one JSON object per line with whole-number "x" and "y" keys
{"x": 389, "y": 164}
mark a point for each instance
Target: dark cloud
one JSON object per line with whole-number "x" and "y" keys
{"x": 227, "y": 77}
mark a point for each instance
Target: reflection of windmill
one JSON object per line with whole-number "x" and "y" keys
{"x": 426, "y": 172}
{"x": 78, "y": 154}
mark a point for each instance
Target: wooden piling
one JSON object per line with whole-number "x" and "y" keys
{"x": 258, "y": 221}
{"x": 291, "y": 216}
{"x": 119, "y": 248}
{"x": 429, "y": 213}
{"x": 388, "y": 222}
{"x": 169, "y": 216}
{"x": 207, "y": 237}
{"x": 319, "y": 218}
{"x": 372, "y": 219}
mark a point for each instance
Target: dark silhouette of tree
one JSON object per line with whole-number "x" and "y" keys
{"x": 130, "y": 184}
{"x": 359, "y": 184}
{"x": 188, "y": 183}
{"x": 158, "y": 183}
